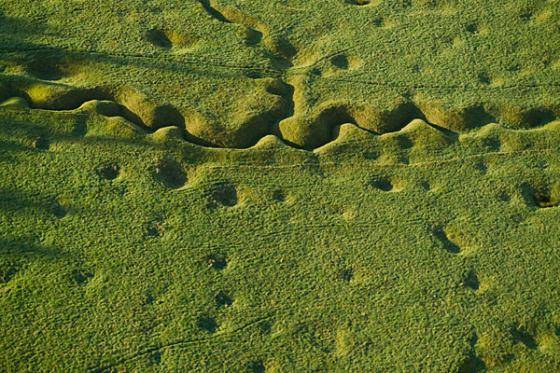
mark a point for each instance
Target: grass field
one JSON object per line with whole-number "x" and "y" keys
{"x": 280, "y": 185}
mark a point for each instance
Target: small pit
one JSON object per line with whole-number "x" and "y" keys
{"x": 359, "y": 2}
{"x": 169, "y": 173}
{"x": 208, "y": 324}
{"x": 471, "y": 281}
{"x": 279, "y": 196}
{"x": 382, "y": 184}
{"x": 223, "y": 194}
{"x": 223, "y": 299}
{"x": 158, "y": 38}
{"x": 109, "y": 171}
{"x": 41, "y": 143}
{"x": 82, "y": 277}
{"x": 346, "y": 274}
{"x": 217, "y": 261}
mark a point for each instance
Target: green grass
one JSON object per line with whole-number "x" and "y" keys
{"x": 232, "y": 72}
{"x": 395, "y": 205}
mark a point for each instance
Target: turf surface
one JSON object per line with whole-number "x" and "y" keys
{"x": 279, "y": 185}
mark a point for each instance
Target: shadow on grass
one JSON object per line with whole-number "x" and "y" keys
{"x": 39, "y": 58}
{"x": 25, "y": 246}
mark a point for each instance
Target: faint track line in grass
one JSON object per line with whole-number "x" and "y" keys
{"x": 225, "y": 337}
{"x": 209, "y": 165}
{"x": 180, "y": 342}
{"x": 456, "y": 86}
{"x": 205, "y": 62}
{"x": 149, "y": 57}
